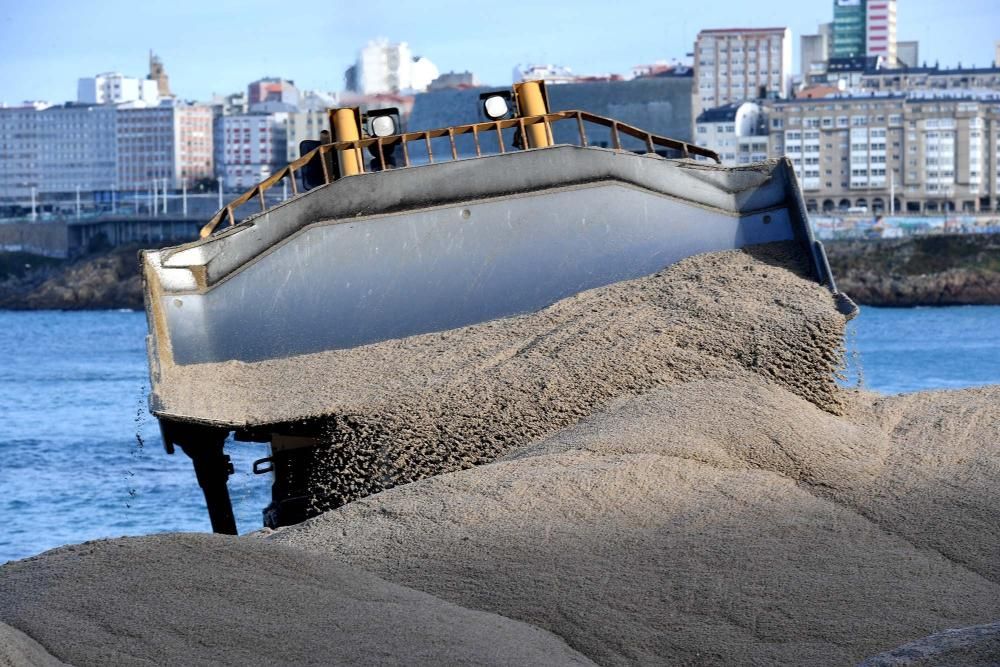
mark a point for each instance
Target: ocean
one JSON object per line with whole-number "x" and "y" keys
{"x": 81, "y": 458}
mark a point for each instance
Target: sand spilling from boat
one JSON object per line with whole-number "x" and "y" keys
{"x": 402, "y": 410}
{"x": 214, "y": 600}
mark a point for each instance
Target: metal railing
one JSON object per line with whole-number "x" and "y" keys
{"x": 476, "y": 130}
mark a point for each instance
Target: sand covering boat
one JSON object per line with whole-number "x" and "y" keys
{"x": 437, "y": 231}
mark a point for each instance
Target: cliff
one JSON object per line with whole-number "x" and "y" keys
{"x": 943, "y": 270}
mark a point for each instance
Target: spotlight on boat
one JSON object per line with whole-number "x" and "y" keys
{"x": 383, "y": 122}
{"x": 497, "y": 105}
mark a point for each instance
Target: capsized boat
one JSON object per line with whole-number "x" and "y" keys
{"x": 390, "y": 234}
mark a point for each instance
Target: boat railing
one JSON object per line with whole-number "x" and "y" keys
{"x": 478, "y": 131}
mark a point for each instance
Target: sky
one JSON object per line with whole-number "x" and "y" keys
{"x": 218, "y": 46}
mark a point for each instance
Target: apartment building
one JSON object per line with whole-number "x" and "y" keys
{"x": 170, "y": 145}
{"x": 56, "y": 150}
{"x": 389, "y": 67}
{"x": 301, "y": 126}
{"x": 738, "y": 132}
{"x": 732, "y": 65}
{"x": 864, "y": 28}
{"x": 908, "y": 154}
{"x": 76, "y": 148}
{"x": 116, "y": 88}
{"x": 250, "y": 147}
{"x": 880, "y": 30}
{"x": 20, "y": 147}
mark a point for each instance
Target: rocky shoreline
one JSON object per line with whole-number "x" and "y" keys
{"x": 939, "y": 270}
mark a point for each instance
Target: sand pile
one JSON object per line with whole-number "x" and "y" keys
{"x": 401, "y": 410}
{"x": 211, "y": 600}
{"x": 19, "y": 650}
{"x": 711, "y": 522}
{"x": 960, "y": 647}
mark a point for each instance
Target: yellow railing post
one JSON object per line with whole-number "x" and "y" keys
{"x": 345, "y": 123}
{"x": 532, "y": 101}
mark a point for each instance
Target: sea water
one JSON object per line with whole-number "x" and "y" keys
{"x": 81, "y": 458}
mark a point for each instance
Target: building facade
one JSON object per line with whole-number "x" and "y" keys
{"x": 169, "y": 145}
{"x": 738, "y": 132}
{"x": 908, "y": 53}
{"x": 738, "y": 64}
{"x": 58, "y": 150}
{"x": 864, "y": 28}
{"x": 389, "y": 67}
{"x": 77, "y": 148}
{"x": 250, "y": 148}
{"x": 301, "y": 126}
{"x": 815, "y": 51}
{"x": 892, "y": 153}
{"x": 880, "y": 30}
{"x": 116, "y": 88}
{"x": 272, "y": 94}
{"x": 20, "y": 154}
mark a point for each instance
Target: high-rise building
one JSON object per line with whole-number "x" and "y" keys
{"x": 908, "y": 54}
{"x": 864, "y": 28}
{"x": 815, "y": 51}
{"x": 77, "y": 148}
{"x": 116, "y": 88}
{"x": 737, "y": 64}
{"x": 880, "y": 30}
{"x": 20, "y": 146}
{"x": 169, "y": 144}
{"x": 252, "y": 147}
{"x": 387, "y": 67}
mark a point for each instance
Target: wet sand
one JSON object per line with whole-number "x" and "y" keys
{"x": 656, "y": 472}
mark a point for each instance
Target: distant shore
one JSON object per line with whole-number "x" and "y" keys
{"x": 932, "y": 270}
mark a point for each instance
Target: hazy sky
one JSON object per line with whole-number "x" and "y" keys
{"x": 221, "y": 45}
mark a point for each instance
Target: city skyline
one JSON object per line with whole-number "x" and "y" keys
{"x": 49, "y": 61}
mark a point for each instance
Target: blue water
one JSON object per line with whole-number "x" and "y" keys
{"x": 80, "y": 458}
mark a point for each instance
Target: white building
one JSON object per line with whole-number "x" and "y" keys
{"x": 252, "y": 146}
{"x": 880, "y": 30}
{"x": 389, "y": 67}
{"x": 735, "y": 64}
{"x": 548, "y": 73}
{"x": 737, "y": 132}
{"x": 20, "y": 147}
{"x": 77, "y": 148}
{"x": 115, "y": 88}
{"x": 814, "y": 51}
